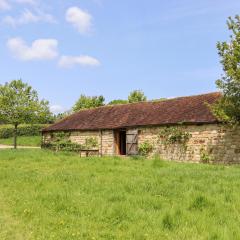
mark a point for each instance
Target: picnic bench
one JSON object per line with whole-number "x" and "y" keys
{"x": 89, "y": 152}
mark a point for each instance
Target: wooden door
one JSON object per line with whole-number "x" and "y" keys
{"x": 117, "y": 142}
{"x": 132, "y": 142}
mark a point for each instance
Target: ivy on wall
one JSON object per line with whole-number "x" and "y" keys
{"x": 173, "y": 135}
{"x": 90, "y": 142}
{"x": 60, "y": 142}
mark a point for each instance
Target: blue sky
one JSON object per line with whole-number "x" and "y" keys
{"x": 66, "y": 48}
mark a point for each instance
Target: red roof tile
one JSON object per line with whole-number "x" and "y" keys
{"x": 191, "y": 110}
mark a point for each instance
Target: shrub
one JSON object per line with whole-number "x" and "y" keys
{"x": 61, "y": 142}
{"x": 145, "y": 148}
{"x": 7, "y": 131}
{"x": 173, "y": 135}
{"x": 65, "y": 146}
{"x": 204, "y": 156}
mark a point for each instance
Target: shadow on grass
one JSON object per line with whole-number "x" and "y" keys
{"x": 200, "y": 203}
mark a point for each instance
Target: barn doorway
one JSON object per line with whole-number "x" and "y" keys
{"x": 120, "y": 142}
{"x": 126, "y": 142}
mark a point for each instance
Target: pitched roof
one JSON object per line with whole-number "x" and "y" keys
{"x": 191, "y": 110}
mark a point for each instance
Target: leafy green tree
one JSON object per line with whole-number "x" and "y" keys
{"x": 137, "y": 96}
{"x": 19, "y": 103}
{"x": 118, "y": 101}
{"x": 86, "y": 102}
{"x": 60, "y": 116}
{"x": 228, "y": 108}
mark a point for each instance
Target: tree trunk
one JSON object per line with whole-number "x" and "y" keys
{"x": 15, "y": 135}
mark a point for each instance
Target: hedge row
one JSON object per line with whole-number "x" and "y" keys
{"x": 66, "y": 146}
{"x": 7, "y": 131}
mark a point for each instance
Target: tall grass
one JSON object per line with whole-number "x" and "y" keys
{"x": 46, "y": 195}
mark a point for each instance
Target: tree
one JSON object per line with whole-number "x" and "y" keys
{"x": 19, "y": 104}
{"x": 137, "y": 96}
{"x": 228, "y": 108}
{"x": 60, "y": 116}
{"x": 118, "y": 101}
{"x": 86, "y": 102}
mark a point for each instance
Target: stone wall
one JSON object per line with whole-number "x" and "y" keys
{"x": 81, "y": 136}
{"x": 105, "y": 139}
{"x": 46, "y": 137}
{"x": 209, "y": 142}
{"x": 107, "y": 142}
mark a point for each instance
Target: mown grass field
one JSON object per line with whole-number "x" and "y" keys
{"x": 45, "y": 195}
{"x": 33, "y": 141}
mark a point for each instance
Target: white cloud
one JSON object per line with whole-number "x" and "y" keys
{"x": 39, "y": 50}
{"x": 84, "y": 60}
{"x": 28, "y": 17}
{"x": 4, "y": 5}
{"x": 80, "y": 19}
{"x": 57, "y": 109}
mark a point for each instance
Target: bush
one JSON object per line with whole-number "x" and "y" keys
{"x": 145, "y": 148}
{"x": 7, "y": 131}
{"x": 61, "y": 142}
{"x": 173, "y": 135}
{"x": 204, "y": 156}
{"x": 65, "y": 146}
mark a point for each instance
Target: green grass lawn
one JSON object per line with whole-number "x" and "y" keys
{"x": 46, "y": 195}
{"x": 33, "y": 141}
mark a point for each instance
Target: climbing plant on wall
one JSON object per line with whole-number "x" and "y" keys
{"x": 173, "y": 135}
{"x": 61, "y": 142}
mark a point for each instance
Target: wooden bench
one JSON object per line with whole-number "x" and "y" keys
{"x": 89, "y": 152}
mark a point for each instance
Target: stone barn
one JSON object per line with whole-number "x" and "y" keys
{"x": 179, "y": 129}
